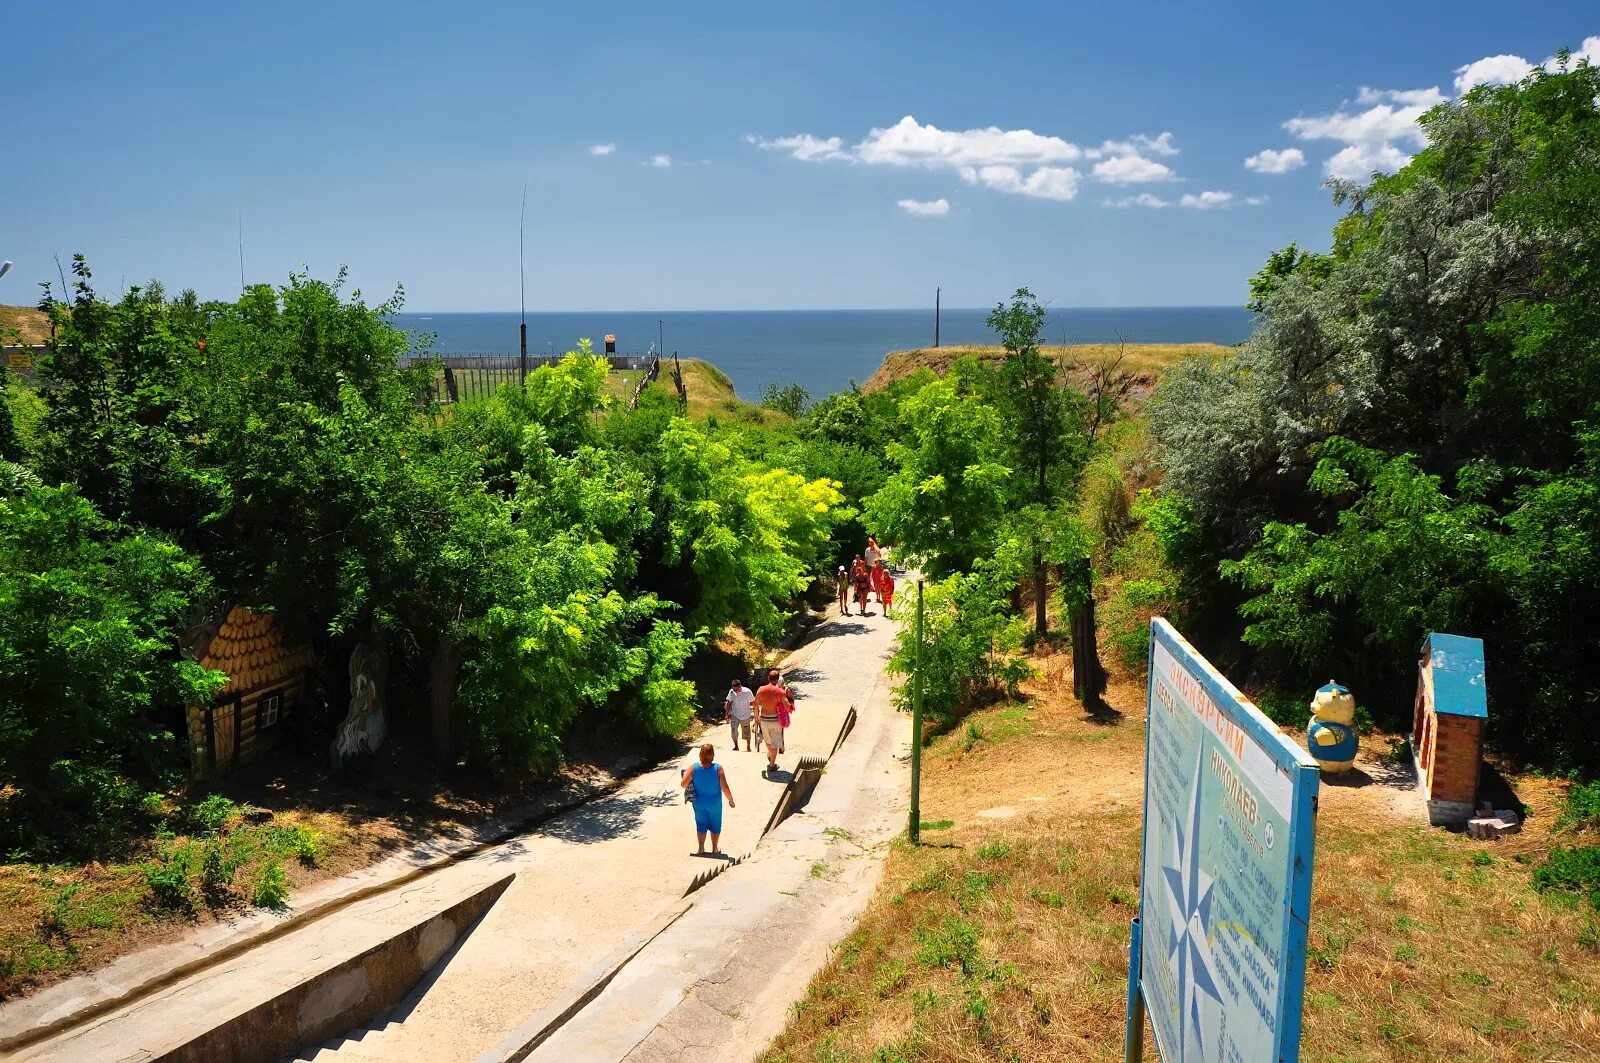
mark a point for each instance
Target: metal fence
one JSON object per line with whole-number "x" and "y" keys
{"x": 471, "y": 360}
{"x": 468, "y": 377}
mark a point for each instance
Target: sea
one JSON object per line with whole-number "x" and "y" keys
{"x": 823, "y": 351}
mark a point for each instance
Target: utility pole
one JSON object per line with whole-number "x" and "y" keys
{"x": 522, "y": 283}
{"x": 936, "y": 293}
{"x": 241, "y": 250}
{"x": 659, "y": 347}
{"x": 916, "y": 728}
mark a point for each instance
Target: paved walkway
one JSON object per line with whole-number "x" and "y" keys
{"x": 585, "y": 884}
{"x": 719, "y": 982}
{"x": 588, "y": 881}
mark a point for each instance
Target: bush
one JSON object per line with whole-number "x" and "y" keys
{"x": 171, "y": 878}
{"x": 272, "y": 888}
{"x": 1582, "y": 808}
{"x": 791, "y": 399}
{"x": 217, "y": 867}
{"x": 1575, "y": 870}
{"x": 971, "y": 644}
{"x": 209, "y": 816}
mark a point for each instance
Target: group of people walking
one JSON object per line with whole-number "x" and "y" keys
{"x": 868, "y": 574}
{"x": 762, "y": 716}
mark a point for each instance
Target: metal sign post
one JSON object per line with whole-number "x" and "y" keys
{"x": 1218, "y": 953}
{"x": 916, "y": 728}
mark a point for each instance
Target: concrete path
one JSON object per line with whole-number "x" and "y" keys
{"x": 718, "y": 983}
{"x": 589, "y": 881}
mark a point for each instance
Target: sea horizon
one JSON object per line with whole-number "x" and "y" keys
{"x": 824, "y": 351}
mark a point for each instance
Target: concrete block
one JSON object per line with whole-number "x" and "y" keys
{"x": 1489, "y": 827}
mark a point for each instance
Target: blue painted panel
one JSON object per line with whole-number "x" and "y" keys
{"x": 1225, "y": 885}
{"x": 1456, "y": 664}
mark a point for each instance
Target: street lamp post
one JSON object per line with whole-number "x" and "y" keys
{"x": 5, "y": 267}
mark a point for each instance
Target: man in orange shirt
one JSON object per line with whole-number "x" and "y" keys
{"x": 773, "y": 704}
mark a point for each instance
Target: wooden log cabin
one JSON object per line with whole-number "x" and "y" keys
{"x": 267, "y": 680}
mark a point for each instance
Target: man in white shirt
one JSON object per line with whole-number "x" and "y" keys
{"x": 737, "y": 710}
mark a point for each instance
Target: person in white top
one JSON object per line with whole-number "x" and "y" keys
{"x": 737, "y": 711}
{"x": 872, "y": 555}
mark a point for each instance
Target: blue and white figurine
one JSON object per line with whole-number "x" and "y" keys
{"x": 1331, "y": 736}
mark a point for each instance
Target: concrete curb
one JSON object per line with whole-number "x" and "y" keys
{"x": 350, "y": 993}
{"x": 522, "y": 1041}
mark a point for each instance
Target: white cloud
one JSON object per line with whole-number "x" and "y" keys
{"x": 917, "y": 208}
{"x": 1131, "y": 170}
{"x": 1389, "y": 121}
{"x": 1161, "y": 145}
{"x": 1270, "y": 160}
{"x": 602, "y": 149}
{"x": 1359, "y": 161}
{"x": 1014, "y": 161}
{"x": 1047, "y": 182}
{"x": 1206, "y": 200}
{"x": 660, "y": 162}
{"x": 1370, "y": 135}
{"x": 1366, "y": 96}
{"x": 1143, "y": 199}
{"x": 803, "y": 146}
{"x": 1138, "y": 144}
{"x": 1256, "y": 201}
{"x": 1492, "y": 70}
{"x": 909, "y": 143}
{"x": 1589, "y": 49}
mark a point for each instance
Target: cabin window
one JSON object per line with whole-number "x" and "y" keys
{"x": 268, "y": 710}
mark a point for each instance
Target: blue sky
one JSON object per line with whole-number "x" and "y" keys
{"x": 395, "y": 138}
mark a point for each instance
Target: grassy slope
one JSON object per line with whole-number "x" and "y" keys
{"x": 1141, "y": 359}
{"x": 1006, "y": 938}
{"x": 711, "y": 393}
{"x": 33, "y": 325}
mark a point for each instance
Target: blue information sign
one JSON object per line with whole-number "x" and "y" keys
{"x": 1219, "y": 949}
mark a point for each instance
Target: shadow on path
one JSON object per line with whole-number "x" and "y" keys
{"x": 608, "y": 819}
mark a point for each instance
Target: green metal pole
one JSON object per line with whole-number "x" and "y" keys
{"x": 916, "y": 728}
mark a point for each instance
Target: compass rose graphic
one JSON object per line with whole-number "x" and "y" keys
{"x": 1189, "y": 899}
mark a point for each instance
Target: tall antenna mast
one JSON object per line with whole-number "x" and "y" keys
{"x": 241, "y": 250}
{"x": 522, "y": 283}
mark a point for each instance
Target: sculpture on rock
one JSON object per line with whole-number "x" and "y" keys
{"x": 363, "y": 729}
{"x": 1331, "y": 735}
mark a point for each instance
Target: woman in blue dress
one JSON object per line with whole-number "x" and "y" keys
{"x": 705, "y": 785}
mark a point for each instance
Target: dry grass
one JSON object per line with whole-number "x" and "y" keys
{"x": 1005, "y": 935}
{"x": 31, "y": 323}
{"x": 711, "y": 393}
{"x": 1144, "y": 360}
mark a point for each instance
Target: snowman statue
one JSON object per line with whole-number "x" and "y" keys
{"x": 1330, "y": 736}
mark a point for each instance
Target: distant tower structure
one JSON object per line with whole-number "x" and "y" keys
{"x": 936, "y": 294}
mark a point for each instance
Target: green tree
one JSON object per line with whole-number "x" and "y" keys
{"x": 949, "y": 496}
{"x": 744, "y": 539}
{"x": 791, "y": 399}
{"x": 1044, "y": 425}
{"x": 1407, "y": 439}
{"x": 90, "y": 680}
